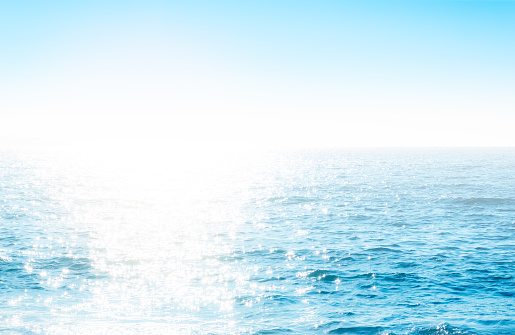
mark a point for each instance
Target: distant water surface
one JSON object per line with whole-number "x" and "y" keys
{"x": 153, "y": 241}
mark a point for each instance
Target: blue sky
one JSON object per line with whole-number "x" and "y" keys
{"x": 324, "y": 73}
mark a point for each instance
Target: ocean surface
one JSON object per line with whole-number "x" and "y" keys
{"x": 351, "y": 241}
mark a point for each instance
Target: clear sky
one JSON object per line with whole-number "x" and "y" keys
{"x": 285, "y": 73}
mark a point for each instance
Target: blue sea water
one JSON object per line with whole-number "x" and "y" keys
{"x": 383, "y": 241}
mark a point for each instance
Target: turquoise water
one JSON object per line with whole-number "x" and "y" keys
{"x": 384, "y": 241}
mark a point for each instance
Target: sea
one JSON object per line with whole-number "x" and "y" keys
{"x": 159, "y": 240}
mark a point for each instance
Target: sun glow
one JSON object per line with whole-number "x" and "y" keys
{"x": 201, "y": 134}
{"x": 159, "y": 221}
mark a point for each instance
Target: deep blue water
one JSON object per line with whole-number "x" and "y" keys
{"x": 384, "y": 241}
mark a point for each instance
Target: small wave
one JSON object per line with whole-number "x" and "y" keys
{"x": 474, "y": 270}
{"x": 481, "y": 248}
{"x": 329, "y": 278}
{"x": 75, "y": 264}
{"x": 357, "y": 330}
{"x": 506, "y": 294}
{"x": 281, "y": 299}
{"x": 264, "y": 280}
{"x": 322, "y": 292}
{"x": 368, "y": 296}
{"x": 441, "y": 329}
{"x": 360, "y": 217}
{"x": 485, "y": 201}
{"x": 323, "y": 275}
{"x": 382, "y": 249}
{"x": 328, "y": 325}
{"x": 15, "y": 278}
{"x": 410, "y": 305}
{"x": 293, "y": 200}
{"x": 319, "y": 273}
{"x": 494, "y": 279}
{"x": 275, "y": 330}
{"x": 404, "y": 265}
{"x": 399, "y": 277}
{"x": 367, "y": 275}
{"x": 490, "y": 322}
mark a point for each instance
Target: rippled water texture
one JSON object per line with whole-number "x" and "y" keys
{"x": 153, "y": 241}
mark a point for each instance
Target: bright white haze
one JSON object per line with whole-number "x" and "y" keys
{"x": 268, "y": 75}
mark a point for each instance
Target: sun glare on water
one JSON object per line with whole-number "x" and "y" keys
{"x": 158, "y": 220}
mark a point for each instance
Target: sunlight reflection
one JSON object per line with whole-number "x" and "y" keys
{"x": 158, "y": 219}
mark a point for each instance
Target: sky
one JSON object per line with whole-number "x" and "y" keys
{"x": 265, "y": 73}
